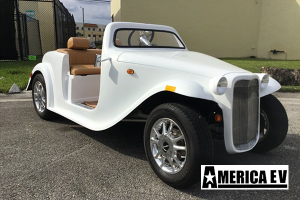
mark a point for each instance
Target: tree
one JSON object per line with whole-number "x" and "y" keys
{"x": 78, "y": 34}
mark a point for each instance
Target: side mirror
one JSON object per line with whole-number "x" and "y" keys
{"x": 97, "y": 60}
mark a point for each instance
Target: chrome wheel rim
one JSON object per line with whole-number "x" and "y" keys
{"x": 39, "y": 96}
{"x": 168, "y": 145}
{"x": 264, "y": 125}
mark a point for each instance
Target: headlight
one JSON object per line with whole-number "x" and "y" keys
{"x": 222, "y": 86}
{"x": 264, "y": 81}
{"x": 218, "y": 85}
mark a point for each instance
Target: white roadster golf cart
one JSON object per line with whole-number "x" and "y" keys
{"x": 146, "y": 73}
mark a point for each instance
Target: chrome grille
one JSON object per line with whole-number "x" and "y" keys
{"x": 245, "y": 113}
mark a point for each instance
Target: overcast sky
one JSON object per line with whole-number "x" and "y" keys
{"x": 94, "y": 12}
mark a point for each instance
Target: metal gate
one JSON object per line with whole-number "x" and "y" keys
{"x": 28, "y": 40}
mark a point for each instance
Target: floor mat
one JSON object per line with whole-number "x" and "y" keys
{"x": 92, "y": 104}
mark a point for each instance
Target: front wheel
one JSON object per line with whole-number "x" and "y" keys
{"x": 39, "y": 97}
{"x": 177, "y": 142}
{"x": 273, "y": 124}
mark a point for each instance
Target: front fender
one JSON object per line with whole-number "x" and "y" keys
{"x": 187, "y": 88}
{"x": 46, "y": 70}
{"x": 273, "y": 86}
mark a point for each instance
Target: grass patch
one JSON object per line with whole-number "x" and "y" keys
{"x": 17, "y": 72}
{"x": 254, "y": 64}
{"x": 289, "y": 88}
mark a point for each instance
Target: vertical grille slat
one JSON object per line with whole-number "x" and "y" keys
{"x": 245, "y": 113}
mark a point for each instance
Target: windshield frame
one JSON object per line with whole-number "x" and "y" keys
{"x": 147, "y": 47}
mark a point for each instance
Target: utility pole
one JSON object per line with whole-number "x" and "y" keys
{"x": 83, "y": 21}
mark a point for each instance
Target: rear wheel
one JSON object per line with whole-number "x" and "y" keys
{"x": 39, "y": 97}
{"x": 273, "y": 124}
{"x": 177, "y": 142}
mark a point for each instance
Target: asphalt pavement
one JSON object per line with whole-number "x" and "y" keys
{"x": 59, "y": 159}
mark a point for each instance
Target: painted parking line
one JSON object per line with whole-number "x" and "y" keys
{"x": 290, "y": 103}
{"x": 288, "y": 99}
{"x": 13, "y": 100}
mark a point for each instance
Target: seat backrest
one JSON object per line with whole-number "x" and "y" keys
{"x": 78, "y": 43}
{"x": 79, "y": 53}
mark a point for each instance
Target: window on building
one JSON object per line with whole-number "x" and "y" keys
{"x": 93, "y": 29}
{"x": 81, "y": 28}
{"x": 99, "y": 29}
{"x": 99, "y": 36}
{"x": 89, "y": 35}
{"x": 89, "y": 29}
{"x": 94, "y": 35}
{"x": 77, "y": 28}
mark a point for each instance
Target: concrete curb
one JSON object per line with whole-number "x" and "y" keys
{"x": 23, "y": 95}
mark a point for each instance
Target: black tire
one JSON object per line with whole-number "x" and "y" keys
{"x": 198, "y": 142}
{"x": 274, "y": 113}
{"x": 45, "y": 114}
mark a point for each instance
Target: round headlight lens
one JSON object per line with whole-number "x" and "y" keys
{"x": 264, "y": 81}
{"x": 222, "y": 86}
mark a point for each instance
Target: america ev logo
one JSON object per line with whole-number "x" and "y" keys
{"x": 244, "y": 177}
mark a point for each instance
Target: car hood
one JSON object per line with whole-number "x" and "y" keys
{"x": 186, "y": 61}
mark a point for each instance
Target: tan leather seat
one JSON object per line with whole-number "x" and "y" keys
{"x": 81, "y": 58}
{"x": 118, "y": 42}
{"x": 84, "y": 69}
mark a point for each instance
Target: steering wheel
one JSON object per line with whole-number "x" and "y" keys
{"x": 148, "y": 34}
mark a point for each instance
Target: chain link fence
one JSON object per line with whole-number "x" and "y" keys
{"x": 65, "y": 25}
{"x": 39, "y": 26}
{"x": 40, "y": 15}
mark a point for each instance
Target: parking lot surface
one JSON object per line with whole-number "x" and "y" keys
{"x": 59, "y": 159}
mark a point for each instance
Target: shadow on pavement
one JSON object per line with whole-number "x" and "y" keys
{"x": 127, "y": 138}
{"x": 124, "y": 137}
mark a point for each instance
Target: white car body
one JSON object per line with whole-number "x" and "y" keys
{"x": 119, "y": 93}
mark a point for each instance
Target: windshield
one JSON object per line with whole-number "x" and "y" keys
{"x": 147, "y": 39}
